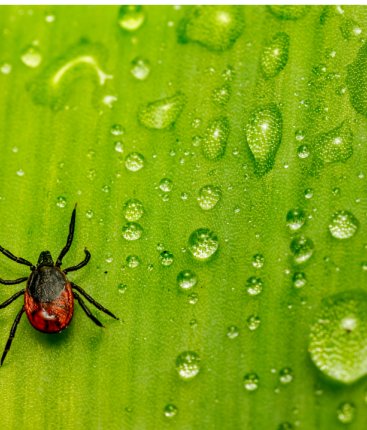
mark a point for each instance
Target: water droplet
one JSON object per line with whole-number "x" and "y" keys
{"x": 254, "y": 286}
{"x": 357, "y": 81}
{"x": 275, "y": 55}
{"x": 258, "y": 261}
{"x": 221, "y": 95}
{"x": 188, "y": 365}
{"x": 296, "y": 219}
{"x": 5, "y": 68}
{"x": 263, "y": 135}
{"x": 364, "y": 266}
{"x": 251, "y": 381}
{"x": 162, "y": 113}
{"x": 166, "y": 258}
{"x": 289, "y": 12}
{"x": 117, "y": 130}
{"x": 334, "y": 146}
{"x": 302, "y": 249}
{"x": 132, "y": 261}
{"x": 232, "y": 332}
{"x": 338, "y": 338}
{"x": 31, "y": 56}
{"x": 133, "y": 209}
{"x": 20, "y": 172}
{"x": 131, "y": 17}
{"x": 119, "y": 147}
{"x": 203, "y": 243}
{"x": 186, "y": 279}
{"x": 61, "y": 202}
{"x": 132, "y": 231}
{"x": 209, "y": 196}
{"x": 140, "y": 68}
{"x": 308, "y": 193}
{"x": 343, "y": 225}
{"x": 166, "y": 185}
{"x": 193, "y": 298}
{"x": 303, "y": 151}
{"x": 122, "y": 288}
{"x": 253, "y": 322}
{"x": 89, "y": 214}
{"x": 215, "y": 139}
{"x": 106, "y": 188}
{"x": 346, "y": 412}
{"x": 134, "y": 161}
{"x": 170, "y": 410}
{"x": 285, "y": 375}
{"x": 215, "y": 27}
{"x": 299, "y": 280}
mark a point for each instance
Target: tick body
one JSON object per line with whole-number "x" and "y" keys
{"x": 49, "y": 295}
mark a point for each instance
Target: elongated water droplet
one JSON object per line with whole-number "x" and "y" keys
{"x": 357, "y": 81}
{"x": 162, "y": 113}
{"x": 203, "y": 243}
{"x": 338, "y": 338}
{"x": 346, "y": 412}
{"x": 209, "y": 196}
{"x": 131, "y": 17}
{"x": 275, "y": 55}
{"x": 302, "y": 249}
{"x": 343, "y": 225}
{"x": 263, "y": 135}
{"x": 133, "y": 209}
{"x": 215, "y": 139}
{"x": 289, "y": 12}
{"x": 334, "y": 146}
{"x": 215, "y": 27}
{"x": 188, "y": 364}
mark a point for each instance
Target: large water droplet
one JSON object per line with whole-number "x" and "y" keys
{"x": 162, "y": 113}
{"x": 131, "y": 17}
{"x": 263, "y": 135}
{"x": 215, "y": 27}
{"x": 302, "y": 249}
{"x": 186, "y": 279}
{"x": 132, "y": 231}
{"x": 188, "y": 364}
{"x": 31, "y": 56}
{"x": 215, "y": 139}
{"x": 338, "y": 338}
{"x": 251, "y": 381}
{"x": 133, "y": 209}
{"x": 357, "y": 81}
{"x": 209, "y": 196}
{"x": 334, "y": 146}
{"x": 275, "y": 55}
{"x": 346, "y": 412}
{"x": 343, "y": 225}
{"x": 203, "y": 243}
{"x": 288, "y": 12}
{"x": 134, "y": 161}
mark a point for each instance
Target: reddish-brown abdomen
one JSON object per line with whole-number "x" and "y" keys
{"x": 52, "y": 316}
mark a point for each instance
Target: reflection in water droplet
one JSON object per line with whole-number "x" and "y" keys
{"x": 209, "y": 196}
{"x": 302, "y": 249}
{"x": 188, "y": 365}
{"x": 186, "y": 279}
{"x": 203, "y": 243}
{"x": 140, "y": 68}
{"x": 346, "y": 412}
{"x": 131, "y": 17}
{"x": 343, "y": 225}
{"x": 132, "y": 231}
{"x": 251, "y": 381}
{"x": 133, "y": 209}
{"x": 134, "y": 161}
{"x": 170, "y": 410}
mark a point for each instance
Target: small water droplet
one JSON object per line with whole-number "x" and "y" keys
{"x": 188, "y": 365}
{"x": 343, "y": 225}
{"x": 258, "y": 261}
{"x": 140, "y": 68}
{"x": 296, "y": 219}
{"x": 302, "y": 249}
{"x": 251, "y": 381}
{"x": 170, "y": 410}
{"x": 5, "y": 68}
{"x": 303, "y": 151}
{"x": 253, "y": 322}
{"x": 254, "y": 286}
{"x": 119, "y": 147}
{"x": 286, "y": 375}
{"x": 346, "y": 412}
{"x": 232, "y": 332}
{"x": 203, "y": 243}
{"x": 308, "y": 193}
{"x": 20, "y": 172}
{"x": 122, "y": 288}
{"x": 134, "y": 161}
{"x": 132, "y": 231}
{"x": 117, "y": 130}
{"x": 299, "y": 280}
{"x": 186, "y": 279}
{"x": 31, "y": 56}
{"x": 166, "y": 258}
{"x": 89, "y": 214}
{"x": 209, "y": 196}
{"x": 166, "y": 185}
{"x": 133, "y": 210}
{"x": 131, "y": 17}
{"x": 132, "y": 261}
{"x": 61, "y": 202}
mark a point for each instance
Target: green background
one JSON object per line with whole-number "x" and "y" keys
{"x": 122, "y": 377}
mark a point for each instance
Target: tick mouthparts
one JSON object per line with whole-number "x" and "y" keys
{"x": 45, "y": 259}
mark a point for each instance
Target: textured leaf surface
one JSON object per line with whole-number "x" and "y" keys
{"x": 100, "y": 107}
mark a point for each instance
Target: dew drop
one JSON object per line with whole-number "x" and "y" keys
{"x": 254, "y": 286}
{"x": 188, "y": 365}
{"x": 89, "y": 214}
{"x": 338, "y": 337}
{"x": 346, "y": 412}
{"x": 119, "y": 147}
{"x": 215, "y": 27}
{"x": 203, "y": 244}
{"x": 170, "y": 410}
{"x": 275, "y": 55}
{"x": 343, "y": 225}
{"x": 303, "y": 151}
{"x": 296, "y": 219}
{"x": 221, "y": 95}
{"x": 215, "y": 138}
{"x": 302, "y": 249}
{"x": 133, "y": 210}
{"x": 134, "y": 161}
{"x": 131, "y": 17}
{"x": 140, "y": 68}
{"x": 193, "y": 298}
{"x": 186, "y": 279}
{"x": 5, "y": 68}
{"x": 232, "y": 332}
{"x": 209, "y": 196}
{"x": 122, "y": 288}
{"x": 162, "y": 113}
{"x": 253, "y": 322}
{"x": 299, "y": 280}
{"x": 289, "y": 12}
{"x": 286, "y": 375}
{"x": 61, "y": 202}
{"x": 132, "y": 231}
{"x": 117, "y": 130}
{"x": 258, "y": 261}
{"x": 31, "y": 56}
{"x": 263, "y": 135}
{"x": 166, "y": 258}
{"x": 132, "y": 261}
{"x": 166, "y": 185}
{"x": 251, "y": 381}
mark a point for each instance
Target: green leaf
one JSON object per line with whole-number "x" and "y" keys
{"x": 217, "y": 156}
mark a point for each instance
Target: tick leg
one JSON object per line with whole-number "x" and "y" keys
{"x": 11, "y": 335}
{"x": 16, "y": 259}
{"x": 11, "y": 299}
{"x": 87, "y": 311}
{"x": 80, "y": 265}
{"x": 91, "y": 300}
{"x": 69, "y": 240}
{"x": 16, "y": 281}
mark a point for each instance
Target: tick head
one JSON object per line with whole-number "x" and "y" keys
{"x": 45, "y": 259}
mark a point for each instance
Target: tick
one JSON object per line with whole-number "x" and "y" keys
{"x": 49, "y": 295}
